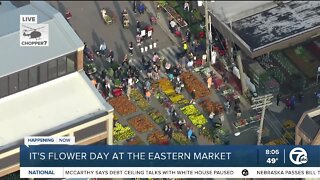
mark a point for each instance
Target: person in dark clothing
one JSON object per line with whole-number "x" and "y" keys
{"x": 300, "y": 96}
{"x": 170, "y": 132}
{"x": 134, "y": 6}
{"x": 141, "y": 8}
{"x": 278, "y": 99}
{"x": 131, "y": 48}
{"x": 111, "y": 55}
{"x": 138, "y": 27}
{"x": 188, "y": 36}
{"x": 293, "y": 102}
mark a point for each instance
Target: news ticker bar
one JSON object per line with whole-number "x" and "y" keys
{"x": 175, "y": 156}
{"x": 169, "y": 172}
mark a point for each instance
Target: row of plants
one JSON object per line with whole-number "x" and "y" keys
{"x": 215, "y": 135}
{"x": 121, "y": 132}
{"x": 141, "y": 124}
{"x": 157, "y": 117}
{"x": 195, "y": 116}
{"x": 180, "y": 138}
{"x": 140, "y": 101}
{"x": 122, "y": 105}
{"x": 285, "y": 63}
{"x": 191, "y": 83}
{"x": 243, "y": 122}
{"x": 157, "y": 137}
{"x": 209, "y": 106}
{"x": 168, "y": 89}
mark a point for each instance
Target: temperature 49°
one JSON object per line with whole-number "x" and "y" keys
{"x": 272, "y": 160}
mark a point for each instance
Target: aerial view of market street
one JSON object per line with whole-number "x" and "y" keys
{"x": 159, "y": 73}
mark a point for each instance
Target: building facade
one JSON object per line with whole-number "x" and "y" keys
{"x": 44, "y": 90}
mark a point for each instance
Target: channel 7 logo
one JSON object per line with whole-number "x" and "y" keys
{"x": 298, "y": 156}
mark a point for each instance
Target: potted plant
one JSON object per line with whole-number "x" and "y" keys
{"x": 90, "y": 68}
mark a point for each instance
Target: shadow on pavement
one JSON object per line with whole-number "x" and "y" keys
{"x": 61, "y": 8}
{"x": 118, "y": 11}
{"x": 119, "y": 53}
{"x": 97, "y": 5}
{"x": 96, "y": 40}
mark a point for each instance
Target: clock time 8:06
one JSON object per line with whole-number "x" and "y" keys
{"x": 272, "y": 151}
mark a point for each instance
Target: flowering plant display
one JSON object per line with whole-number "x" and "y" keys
{"x": 209, "y": 106}
{"x": 198, "y": 120}
{"x": 121, "y": 132}
{"x": 180, "y": 138}
{"x": 140, "y": 100}
{"x": 157, "y": 117}
{"x": 168, "y": 89}
{"x": 191, "y": 83}
{"x": 240, "y": 123}
{"x": 194, "y": 115}
{"x": 141, "y": 124}
{"x": 122, "y": 105}
{"x": 176, "y": 98}
{"x": 158, "y": 137}
{"x": 190, "y": 110}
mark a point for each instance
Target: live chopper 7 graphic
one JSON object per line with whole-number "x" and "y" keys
{"x": 32, "y": 33}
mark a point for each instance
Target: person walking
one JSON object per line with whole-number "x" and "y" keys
{"x": 129, "y": 91}
{"x": 134, "y": 6}
{"x": 138, "y": 27}
{"x": 209, "y": 82}
{"x": 300, "y": 96}
{"x": 293, "y": 102}
{"x": 278, "y": 99}
{"x": 186, "y": 6}
{"x": 148, "y": 95}
{"x": 173, "y": 25}
{"x": 188, "y": 36}
{"x": 131, "y": 48}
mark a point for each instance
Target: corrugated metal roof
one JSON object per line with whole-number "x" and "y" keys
{"x": 62, "y": 38}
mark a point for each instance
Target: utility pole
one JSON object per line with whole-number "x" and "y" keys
{"x": 208, "y": 50}
{"x": 242, "y": 76}
{"x": 258, "y": 103}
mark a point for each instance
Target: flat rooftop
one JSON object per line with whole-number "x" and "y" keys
{"x": 49, "y": 107}
{"x": 62, "y": 38}
{"x": 278, "y": 24}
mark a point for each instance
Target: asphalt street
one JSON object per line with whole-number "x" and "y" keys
{"x": 88, "y": 24}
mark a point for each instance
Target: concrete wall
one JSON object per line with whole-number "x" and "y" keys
{"x": 79, "y": 59}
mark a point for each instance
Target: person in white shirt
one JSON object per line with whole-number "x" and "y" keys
{"x": 211, "y": 116}
{"x": 173, "y": 24}
{"x": 186, "y": 6}
{"x": 190, "y": 64}
{"x": 181, "y": 123}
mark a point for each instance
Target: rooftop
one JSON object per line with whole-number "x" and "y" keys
{"x": 49, "y": 107}
{"x": 310, "y": 126}
{"x": 278, "y": 24}
{"x": 62, "y": 38}
{"x": 228, "y": 11}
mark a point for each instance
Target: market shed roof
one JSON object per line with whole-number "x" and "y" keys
{"x": 62, "y": 38}
{"x": 234, "y": 10}
{"x": 278, "y": 24}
